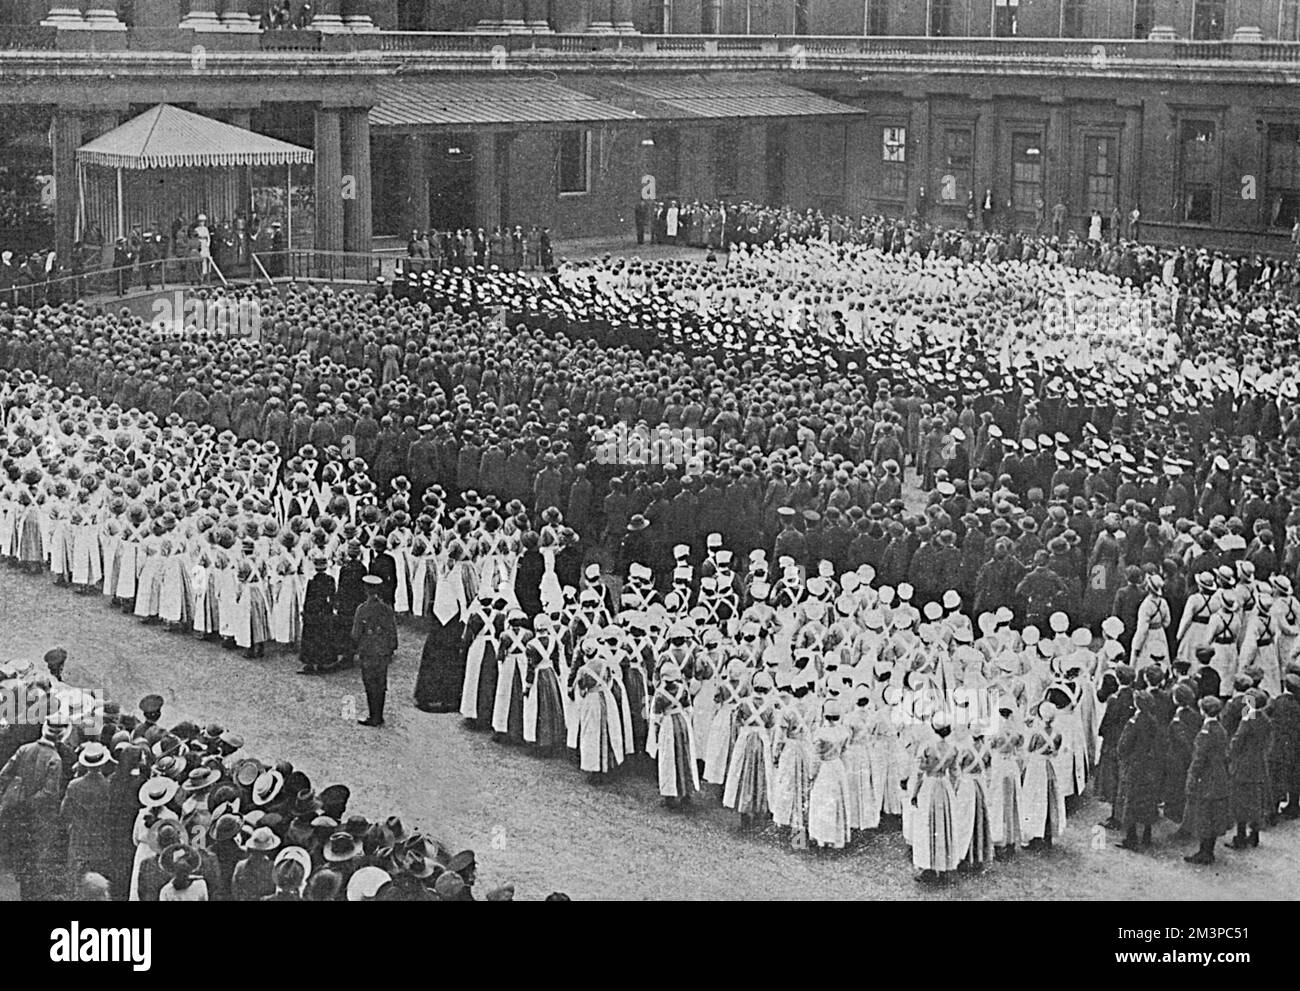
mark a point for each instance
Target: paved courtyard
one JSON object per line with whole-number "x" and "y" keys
{"x": 536, "y": 822}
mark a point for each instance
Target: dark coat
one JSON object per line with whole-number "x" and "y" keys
{"x": 1182, "y": 735}
{"x": 1284, "y": 753}
{"x": 85, "y": 813}
{"x": 1248, "y": 765}
{"x": 1208, "y": 784}
{"x": 374, "y": 631}
{"x": 1140, "y": 764}
{"x": 1119, "y": 710}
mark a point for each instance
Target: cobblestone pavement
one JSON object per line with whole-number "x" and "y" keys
{"x": 536, "y": 822}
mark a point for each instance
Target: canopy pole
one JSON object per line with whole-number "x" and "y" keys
{"x": 288, "y": 206}
{"x": 121, "y": 210}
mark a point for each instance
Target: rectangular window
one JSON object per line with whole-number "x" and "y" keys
{"x": 1101, "y": 159}
{"x": 878, "y": 17}
{"x": 893, "y": 163}
{"x": 1283, "y": 176}
{"x": 1026, "y": 172}
{"x": 1143, "y": 15}
{"x": 726, "y": 159}
{"x": 1005, "y": 14}
{"x": 1198, "y": 170}
{"x": 943, "y": 22}
{"x": 1207, "y": 20}
{"x": 1288, "y": 20}
{"x": 575, "y": 162}
{"x": 667, "y": 158}
{"x": 957, "y": 180}
{"x": 1072, "y": 19}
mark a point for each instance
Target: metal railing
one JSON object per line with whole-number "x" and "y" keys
{"x": 309, "y": 265}
{"x": 1098, "y": 51}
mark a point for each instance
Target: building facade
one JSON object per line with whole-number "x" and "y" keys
{"x": 564, "y": 113}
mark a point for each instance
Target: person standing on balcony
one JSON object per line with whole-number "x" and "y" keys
{"x": 203, "y": 236}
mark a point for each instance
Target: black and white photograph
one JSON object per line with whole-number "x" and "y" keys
{"x": 652, "y": 451}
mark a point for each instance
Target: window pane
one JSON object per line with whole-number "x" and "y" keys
{"x": 573, "y": 161}
{"x": 895, "y": 144}
{"x": 1101, "y": 162}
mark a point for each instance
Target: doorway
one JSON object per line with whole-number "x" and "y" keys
{"x": 451, "y": 182}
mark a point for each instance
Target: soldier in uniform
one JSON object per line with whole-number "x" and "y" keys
{"x": 374, "y": 635}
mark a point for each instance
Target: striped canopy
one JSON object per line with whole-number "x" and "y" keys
{"x": 168, "y": 137}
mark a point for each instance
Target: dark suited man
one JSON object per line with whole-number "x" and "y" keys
{"x": 384, "y": 567}
{"x": 374, "y": 633}
{"x": 349, "y": 598}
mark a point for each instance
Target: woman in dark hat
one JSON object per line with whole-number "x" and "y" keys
{"x": 1209, "y": 814}
{"x": 317, "y": 648}
{"x": 441, "y": 676}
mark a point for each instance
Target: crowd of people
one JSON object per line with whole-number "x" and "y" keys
{"x": 101, "y": 804}
{"x": 1103, "y": 456}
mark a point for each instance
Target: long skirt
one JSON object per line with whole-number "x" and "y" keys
{"x": 148, "y": 587}
{"x": 931, "y": 835}
{"x": 1004, "y": 802}
{"x": 544, "y": 711}
{"x": 317, "y": 647}
{"x": 509, "y": 698}
{"x": 85, "y": 556}
{"x": 1041, "y": 802}
{"x": 486, "y": 688}
{"x": 722, "y": 740}
{"x": 469, "y": 681}
{"x": 174, "y": 591}
{"x": 441, "y": 676}
{"x": 828, "y": 806}
{"x": 749, "y": 776}
{"x": 31, "y": 544}
{"x": 672, "y": 744}
{"x": 600, "y": 744}
{"x": 793, "y": 784}
{"x": 864, "y": 803}
{"x": 970, "y": 822}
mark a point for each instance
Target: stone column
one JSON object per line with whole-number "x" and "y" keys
{"x": 1249, "y": 18}
{"x": 601, "y": 20}
{"x": 326, "y": 18}
{"x": 235, "y": 17}
{"x": 1162, "y": 21}
{"x": 1057, "y": 188}
{"x": 985, "y": 169}
{"x": 858, "y": 149}
{"x": 417, "y": 182}
{"x": 487, "y": 197}
{"x": 358, "y": 227}
{"x": 513, "y": 13}
{"x": 102, "y": 16}
{"x": 64, "y": 14}
{"x": 623, "y": 17}
{"x": 535, "y": 16}
{"x": 1130, "y": 161}
{"x": 67, "y": 139}
{"x": 329, "y": 181}
{"x": 202, "y": 17}
{"x": 356, "y": 16}
{"x": 494, "y": 11}
{"x": 918, "y": 147}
